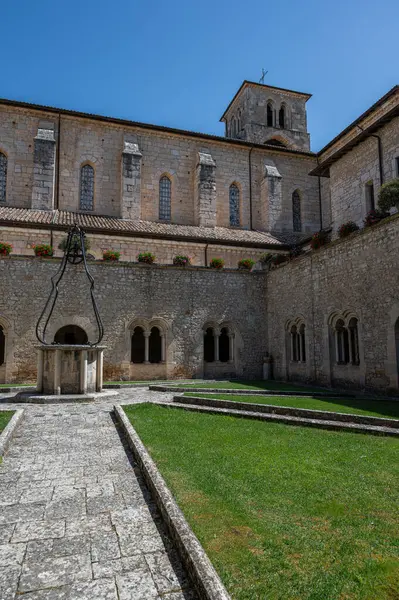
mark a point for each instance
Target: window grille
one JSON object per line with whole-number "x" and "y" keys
{"x": 3, "y": 177}
{"x": 234, "y": 199}
{"x": 296, "y": 211}
{"x": 165, "y": 192}
{"x": 87, "y": 188}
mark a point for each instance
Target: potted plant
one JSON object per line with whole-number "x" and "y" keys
{"x": 373, "y": 217}
{"x": 347, "y": 228}
{"x": 5, "y": 248}
{"x": 146, "y": 257}
{"x": 216, "y": 263}
{"x": 318, "y": 240}
{"x": 246, "y": 264}
{"x": 388, "y": 196}
{"x": 181, "y": 260}
{"x": 75, "y": 240}
{"x": 43, "y": 250}
{"x": 111, "y": 255}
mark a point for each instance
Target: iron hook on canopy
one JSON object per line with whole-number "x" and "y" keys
{"x": 74, "y": 254}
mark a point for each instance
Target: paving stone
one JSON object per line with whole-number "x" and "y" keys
{"x": 87, "y": 525}
{"x": 6, "y": 532}
{"x": 47, "y": 572}
{"x": 100, "y": 589}
{"x": 11, "y": 554}
{"x": 136, "y": 584}
{"x": 104, "y": 547}
{"x": 37, "y": 493}
{"x": 120, "y": 565}
{"x": 38, "y": 530}
{"x": 60, "y": 593}
{"x": 167, "y": 571}
{"x": 9, "y": 582}
{"x": 21, "y": 512}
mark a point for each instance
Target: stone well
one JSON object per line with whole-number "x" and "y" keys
{"x": 69, "y": 369}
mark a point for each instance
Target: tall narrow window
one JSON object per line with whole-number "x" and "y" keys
{"x": 269, "y": 115}
{"x": 138, "y": 345}
{"x": 87, "y": 187}
{"x": 155, "y": 346}
{"x": 353, "y": 341}
{"x": 370, "y": 202}
{"x": 234, "y": 201}
{"x": 294, "y": 344}
{"x": 3, "y": 177}
{"x": 281, "y": 117}
{"x": 397, "y": 166}
{"x": 224, "y": 345}
{"x": 296, "y": 211}
{"x": 342, "y": 343}
{"x": 209, "y": 345}
{"x": 165, "y": 195}
{"x": 302, "y": 344}
{"x": 2, "y": 346}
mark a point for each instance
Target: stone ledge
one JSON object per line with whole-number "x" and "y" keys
{"x": 246, "y": 392}
{"x": 287, "y": 419}
{"x": 192, "y": 554}
{"x": 8, "y": 432}
{"x": 288, "y": 410}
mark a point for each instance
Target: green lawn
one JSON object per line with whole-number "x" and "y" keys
{"x": 5, "y": 416}
{"x": 285, "y": 513}
{"x": 249, "y": 385}
{"x": 11, "y": 385}
{"x": 373, "y": 408}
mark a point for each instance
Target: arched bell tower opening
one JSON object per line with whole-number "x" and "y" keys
{"x": 71, "y": 335}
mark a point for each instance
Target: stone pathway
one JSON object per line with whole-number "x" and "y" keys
{"x": 76, "y": 520}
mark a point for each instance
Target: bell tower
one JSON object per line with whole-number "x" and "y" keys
{"x": 264, "y": 114}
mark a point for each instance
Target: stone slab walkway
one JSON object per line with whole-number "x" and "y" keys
{"x": 76, "y": 520}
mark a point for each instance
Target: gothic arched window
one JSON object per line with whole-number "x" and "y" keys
{"x": 2, "y": 346}
{"x": 3, "y": 177}
{"x": 353, "y": 341}
{"x": 234, "y": 202}
{"x": 296, "y": 211}
{"x": 138, "y": 345}
{"x": 269, "y": 113}
{"x": 281, "y": 117}
{"x": 155, "y": 346}
{"x": 209, "y": 345}
{"x": 165, "y": 197}
{"x": 224, "y": 345}
{"x": 86, "y": 188}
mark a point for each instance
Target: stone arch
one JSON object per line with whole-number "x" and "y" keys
{"x": 87, "y": 186}
{"x": 71, "y": 334}
{"x": 83, "y": 323}
{"x": 165, "y": 197}
{"x": 235, "y": 204}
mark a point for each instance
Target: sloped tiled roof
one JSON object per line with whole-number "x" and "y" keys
{"x": 61, "y": 219}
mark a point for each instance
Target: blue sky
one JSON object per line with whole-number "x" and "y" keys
{"x": 178, "y": 63}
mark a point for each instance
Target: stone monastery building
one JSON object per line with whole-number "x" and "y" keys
{"x": 330, "y": 316}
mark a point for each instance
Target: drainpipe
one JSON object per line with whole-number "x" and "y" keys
{"x": 250, "y": 187}
{"x": 379, "y": 145}
{"x": 57, "y": 165}
{"x": 206, "y": 254}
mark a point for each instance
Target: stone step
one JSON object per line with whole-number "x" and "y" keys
{"x": 287, "y": 419}
{"x": 246, "y": 392}
{"x": 288, "y": 410}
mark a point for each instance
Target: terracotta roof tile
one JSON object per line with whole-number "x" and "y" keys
{"x": 63, "y": 219}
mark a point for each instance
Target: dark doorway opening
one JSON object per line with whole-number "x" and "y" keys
{"x": 71, "y": 335}
{"x": 209, "y": 346}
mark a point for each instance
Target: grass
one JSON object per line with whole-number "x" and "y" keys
{"x": 284, "y": 513}
{"x": 11, "y": 385}
{"x": 250, "y": 385}
{"x": 5, "y": 417}
{"x": 374, "y": 408}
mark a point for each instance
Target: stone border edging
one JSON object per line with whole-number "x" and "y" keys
{"x": 204, "y": 576}
{"x": 286, "y": 419}
{"x": 247, "y": 392}
{"x": 16, "y": 388}
{"x": 9, "y": 430}
{"x": 289, "y": 410}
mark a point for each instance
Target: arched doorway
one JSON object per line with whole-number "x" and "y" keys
{"x": 71, "y": 335}
{"x": 397, "y": 346}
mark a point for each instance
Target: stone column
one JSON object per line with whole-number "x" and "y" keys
{"x": 99, "y": 371}
{"x": 83, "y": 372}
{"x": 271, "y": 200}
{"x": 131, "y": 181}
{"x": 57, "y": 372}
{"x": 231, "y": 347}
{"x": 147, "y": 347}
{"x": 205, "y": 191}
{"x": 216, "y": 340}
{"x": 163, "y": 347}
{"x": 40, "y": 368}
{"x": 43, "y": 170}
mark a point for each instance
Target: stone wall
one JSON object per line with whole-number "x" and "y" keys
{"x": 153, "y": 153}
{"x": 358, "y": 275}
{"x": 350, "y": 174}
{"x": 179, "y": 301}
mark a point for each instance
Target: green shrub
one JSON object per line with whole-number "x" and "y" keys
{"x": 246, "y": 263}
{"x": 217, "y": 263}
{"x": 347, "y": 229}
{"x": 43, "y": 250}
{"x": 5, "y": 248}
{"x": 319, "y": 239}
{"x": 374, "y": 216}
{"x": 388, "y": 196}
{"x": 111, "y": 255}
{"x": 181, "y": 260}
{"x": 146, "y": 257}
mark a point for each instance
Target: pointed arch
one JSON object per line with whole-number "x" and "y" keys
{"x": 234, "y": 205}
{"x": 3, "y": 176}
{"x": 296, "y": 211}
{"x": 165, "y": 198}
{"x": 282, "y": 117}
{"x": 86, "y": 199}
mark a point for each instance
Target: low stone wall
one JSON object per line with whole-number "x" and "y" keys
{"x": 180, "y": 301}
{"x": 357, "y": 275}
